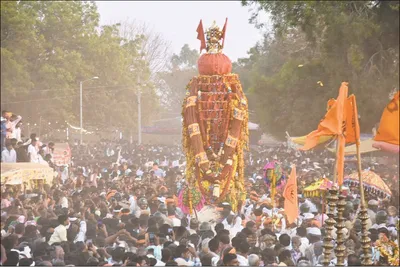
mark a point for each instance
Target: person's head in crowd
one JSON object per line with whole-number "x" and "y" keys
{"x": 218, "y": 227}
{"x": 284, "y": 240}
{"x": 12, "y": 259}
{"x": 243, "y": 248}
{"x": 214, "y": 245}
{"x": 286, "y": 257}
{"x": 353, "y": 260}
{"x": 166, "y": 255}
{"x": 230, "y": 259}
{"x": 251, "y": 226}
{"x": 373, "y": 205}
{"x": 9, "y": 146}
{"x": 254, "y": 260}
{"x": 206, "y": 260}
{"x": 303, "y": 262}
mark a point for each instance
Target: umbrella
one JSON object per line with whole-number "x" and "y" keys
{"x": 372, "y": 182}
{"x": 317, "y": 188}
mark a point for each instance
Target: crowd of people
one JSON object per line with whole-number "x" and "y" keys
{"x": 115, "y": 205}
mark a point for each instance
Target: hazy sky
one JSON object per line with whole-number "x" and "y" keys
{"x": 178, "y": 21}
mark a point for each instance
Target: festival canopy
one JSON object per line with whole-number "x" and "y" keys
{"x": 317, "y": 188}
{"x": 371, "y": 181}
{"x": 366, "y": 146}
{"x": 19, "y": 173}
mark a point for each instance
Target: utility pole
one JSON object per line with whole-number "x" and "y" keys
{"x": 81, "y": 105}
{"x": 40, "y": 125}
{"x": 81, "y": 111}
{"x": 139, "y": 113}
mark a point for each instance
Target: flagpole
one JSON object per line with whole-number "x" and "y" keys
{"x": 336, "y": 161}
{"x": 363, "y": 215}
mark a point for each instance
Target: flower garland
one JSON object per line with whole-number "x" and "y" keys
{"x": 393, "y": 256}
{"x": 215, "y": 132}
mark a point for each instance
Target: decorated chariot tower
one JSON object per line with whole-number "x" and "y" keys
{"x": 215, "y": 128}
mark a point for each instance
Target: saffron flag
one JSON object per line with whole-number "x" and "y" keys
{"x": 349, "y": 120}
{"x": 332, "y": 123}
{"x": 200, "y": 36}
{"x": 291, "y": 204}
{"x": 388, "y": 130}
{"x": 350, "y": 134}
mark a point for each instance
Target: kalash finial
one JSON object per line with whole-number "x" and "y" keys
{"x": 215, "y": 38}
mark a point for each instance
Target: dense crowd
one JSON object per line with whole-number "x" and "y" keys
{"x": 115, "y": 205}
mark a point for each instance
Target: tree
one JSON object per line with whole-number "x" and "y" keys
{"x": 154, "y": 47}
{"x": 48, "y": 47}
{"x": 181, "y": 69}
{"x": 327, "y": 42}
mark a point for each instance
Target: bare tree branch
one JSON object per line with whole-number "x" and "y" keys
{"x": 155, "y": 47}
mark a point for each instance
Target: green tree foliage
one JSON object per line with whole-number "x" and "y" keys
{"x": 181, "y": 69}
{"x": 48, "y": 47}
{"x": 327, "y": 42}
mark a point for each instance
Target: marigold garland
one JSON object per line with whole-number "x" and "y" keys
{"x": 393, "y": 258}
{"x": 218, "y": 105}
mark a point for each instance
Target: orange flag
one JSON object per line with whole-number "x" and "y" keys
{"x": 291, "y": 204}
{"x": 350, "y": 120}
{"x": 200, "y": 36}
{"x": 388, "y": 130}
{"x": 332, "y": 123}
{"x": 351, "y": 134}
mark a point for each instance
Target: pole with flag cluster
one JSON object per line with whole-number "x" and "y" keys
{"x": 341, "y": 122}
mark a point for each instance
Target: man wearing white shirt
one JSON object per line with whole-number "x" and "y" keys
{"x": 10, "y": 124}
{"x": 60, "y": 232}
{"x": 32, "y": 152}
{"x": 9, "y": 155}
{"x": 242, "y": 250}
{"x": 81, "y": 236}
{"x": 17, "y": 132}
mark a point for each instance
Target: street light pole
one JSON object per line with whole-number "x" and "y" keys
{"x": 139, "y": 113}
{"x": 81, "y": 111}
{"x": 81, "y": 106}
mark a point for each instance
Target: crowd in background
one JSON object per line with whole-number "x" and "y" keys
{"x": 115, "y": 205}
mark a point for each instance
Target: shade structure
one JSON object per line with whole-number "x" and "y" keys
{"x": 372, "y": 182}
{"x": 365, "y": 147}
{"x": 19, "y": 173}
{"x": 301, "y": 140}
{"x": 317, "y": 188}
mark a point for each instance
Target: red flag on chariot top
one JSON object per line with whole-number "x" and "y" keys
{"x": 223, "y": 32}
{"x": 200, "y": 36}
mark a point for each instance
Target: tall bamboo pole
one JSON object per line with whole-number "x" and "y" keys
{"x": 363, "y": 215}
{"x": 330, "y": 222}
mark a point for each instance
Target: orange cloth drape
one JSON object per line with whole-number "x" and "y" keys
{"x": 388, "y": 130}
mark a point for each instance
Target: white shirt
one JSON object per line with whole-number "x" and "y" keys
{"x": 59, "y": 235}
{"x": 33, "y": 154}
{"x": 81, "y": 236}
{"x": 305, "y": 243}
{"x": 242, "y": 260}
{"x": 9, "y": 156}
{"x": 17, "y": 134}
{"x": 64, "y": 202}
